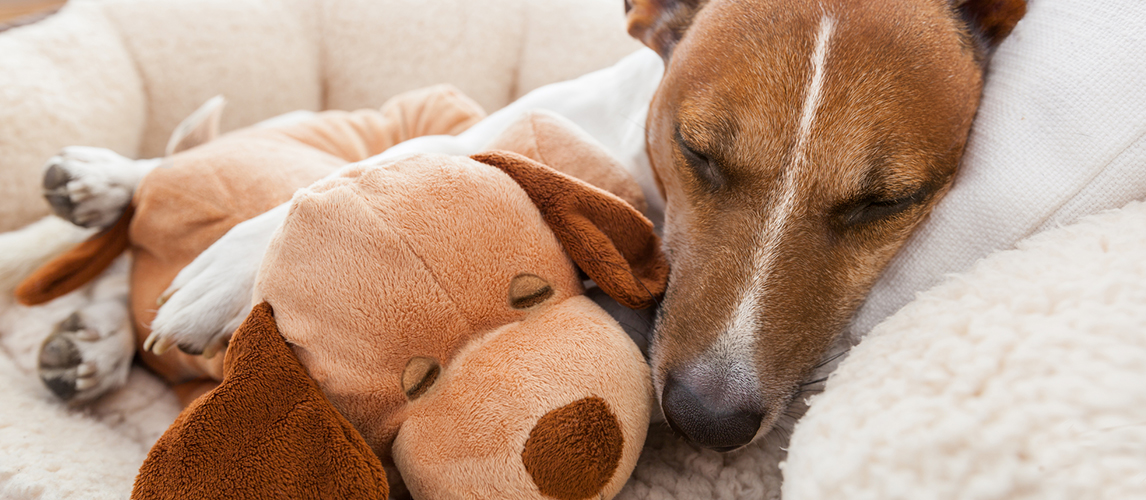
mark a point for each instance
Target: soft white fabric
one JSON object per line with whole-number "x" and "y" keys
{"x": 48, "y": 451}
{"x": 1060, "y": 133}
{"x": 1024, "y": 378}
{"x": 122, "y": 73}
{"x": 67, "y": 80}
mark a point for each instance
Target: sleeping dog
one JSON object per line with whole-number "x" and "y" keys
{"x": 796, "y": 146}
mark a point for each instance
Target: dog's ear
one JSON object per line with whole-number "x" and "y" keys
{"x": 199, "y": 127}
{"x": 266, "y": 431}
{"x": 608, "y": 239}
{"x": 660, "y": 24}
{"x": 990, "y": 21}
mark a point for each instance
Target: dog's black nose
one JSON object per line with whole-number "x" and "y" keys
{"x": 709, "y": 416}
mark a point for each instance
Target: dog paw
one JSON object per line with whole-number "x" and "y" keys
{"x": 205, "y": 304}
{"x": 91, "y": 187}
{"x": 88, "y": 354}
{"x": 209, "y": 299}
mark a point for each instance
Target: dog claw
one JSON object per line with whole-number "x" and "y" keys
{"x": 86, "y": 369}
{"x": 85, "y": 383}
{"x": 90, "y": 187}
{"x": 157, "y": 344}
{"x": 214, "y": 347}
{"x": 164, "y": 298}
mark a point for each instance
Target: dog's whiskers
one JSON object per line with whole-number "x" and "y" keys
{"x": 831, "y": 358}
{"x": 814, "y": 382}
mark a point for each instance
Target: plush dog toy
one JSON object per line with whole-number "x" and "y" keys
{"x": 425, "y": 313}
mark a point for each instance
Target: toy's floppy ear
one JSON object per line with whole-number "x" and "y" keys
{"x": 266, "y": 431}
{"x": 613, "y": 243}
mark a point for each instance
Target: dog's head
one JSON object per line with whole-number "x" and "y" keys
{"x": 463, "y": 352}
{"x": 797, "y": 145}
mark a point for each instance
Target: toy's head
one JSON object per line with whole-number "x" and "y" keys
{"x": 436, "y": 302}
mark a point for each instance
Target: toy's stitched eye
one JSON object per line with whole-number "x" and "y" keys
{"x": 419, "y": 375}
{"x": 528, "y": 290}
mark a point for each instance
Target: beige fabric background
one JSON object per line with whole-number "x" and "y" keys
{"x": 122, "y": 73}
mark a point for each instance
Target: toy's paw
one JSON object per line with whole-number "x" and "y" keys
{"x": 90, "y": 187}
{"x": 211, "y": 297}
{"x": 88, "y": 354}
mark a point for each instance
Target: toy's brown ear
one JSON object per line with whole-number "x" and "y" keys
{"x": 266, "y": 431}
{"x": 77, "y": 266}
{"x": 613, "y": 243}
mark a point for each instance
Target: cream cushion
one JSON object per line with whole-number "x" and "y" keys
{"x": 122, "y": 73}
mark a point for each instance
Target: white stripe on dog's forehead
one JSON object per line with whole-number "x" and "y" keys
{"x": 740, "y": 333}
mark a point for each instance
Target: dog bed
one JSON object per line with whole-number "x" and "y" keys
{"x": 1019, "y": 378}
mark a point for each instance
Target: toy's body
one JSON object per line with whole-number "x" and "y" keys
{"x": 199, "y": 193}
{"x": 432, "y": 301}
{"x": 208, "y": 190}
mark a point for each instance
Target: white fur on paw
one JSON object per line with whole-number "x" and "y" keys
{"x": 88, "y": 354}
{"x": 211, "y": 297}
{"x": 91, "y": 186}
{"x": 200, "y": 311}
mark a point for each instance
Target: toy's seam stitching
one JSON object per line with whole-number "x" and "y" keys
{"x": 437, "y": 281}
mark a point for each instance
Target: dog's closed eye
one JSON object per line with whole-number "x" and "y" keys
{"x": 701, "y": 164}
{"x": 528, "y": 290}
{"x": 870, "y": 209}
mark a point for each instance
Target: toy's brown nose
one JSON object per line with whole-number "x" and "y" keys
{"x": 709, "y": 416}
{"x": 574, "y": 450}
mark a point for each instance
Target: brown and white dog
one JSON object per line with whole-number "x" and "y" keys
{"x": 797, "y": 145}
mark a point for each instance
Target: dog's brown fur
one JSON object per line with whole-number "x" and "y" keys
{"x": 900, "y": 84}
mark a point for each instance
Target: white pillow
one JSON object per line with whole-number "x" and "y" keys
{"x": 1061, "y": 133}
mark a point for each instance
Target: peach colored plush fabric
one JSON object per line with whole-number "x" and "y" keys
{"x": 467, "y": 268}
{"x": 197, "y": 195}
{"x": 416, "y": 259}
{"x": 183, "y": 208}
